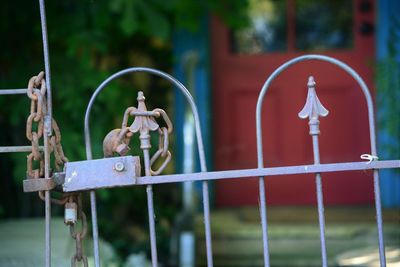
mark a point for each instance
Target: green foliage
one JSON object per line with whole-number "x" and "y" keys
{"x": 89, "y": 40}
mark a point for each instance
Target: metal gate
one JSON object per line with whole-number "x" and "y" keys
{"x": 123, "y": 170}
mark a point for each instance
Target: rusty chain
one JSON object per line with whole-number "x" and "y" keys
{"x": 74, "y": 207}
{"x": 34, "y": 133}
{"x": 163, "y": 142}
{"x": 36, "y": 117}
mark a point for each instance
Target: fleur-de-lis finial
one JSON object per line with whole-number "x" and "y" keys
{"x": 313, "y": 108}
{"x": 143, "y": 123}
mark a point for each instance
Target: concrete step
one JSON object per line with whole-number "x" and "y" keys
{"x": 293, "y": 235}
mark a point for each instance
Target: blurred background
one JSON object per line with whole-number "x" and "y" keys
{"x": 223, "y": 51}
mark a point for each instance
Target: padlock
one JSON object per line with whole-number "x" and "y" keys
{"x": 70, "y": 213}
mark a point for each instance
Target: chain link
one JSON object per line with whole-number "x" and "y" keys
{"x": 163, "y": 143}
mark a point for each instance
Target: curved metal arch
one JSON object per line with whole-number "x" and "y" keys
{"x": 333, "y": 61}
{"x": 371, "y": 120}
{"x": 161, "y": 74}
{"x": 200, "y": 145}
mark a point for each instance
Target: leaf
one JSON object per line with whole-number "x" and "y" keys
{"x": 129, "y": 21}
{"x": 156, "y": 22}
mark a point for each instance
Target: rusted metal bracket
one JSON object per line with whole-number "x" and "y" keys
{"x": 107, "y": 172}
{"x": 89, "y": 174}
{"x": 44, "y": 184}
{"x": 40, "y": 184}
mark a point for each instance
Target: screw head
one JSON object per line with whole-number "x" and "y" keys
{"x": 119, "y": 166}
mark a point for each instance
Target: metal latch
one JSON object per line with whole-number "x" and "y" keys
{"x": 101, "y": 173}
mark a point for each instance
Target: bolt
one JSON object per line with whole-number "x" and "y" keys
{"x": 119, "y": 166}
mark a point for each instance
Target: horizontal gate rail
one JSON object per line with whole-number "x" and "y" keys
{"x": 13, "y": 149}
{"x": 85, "y": 182}
{"x": 13, "y": 91}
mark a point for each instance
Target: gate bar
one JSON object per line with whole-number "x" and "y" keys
{"x": 320, "y": 202}
{"x": 116, "y": 181}
{"x": 47, "y": 131}
{"x": 12, "y": 149}
{"x": 371, "y": 121}
{"x": 313, "y": 109}
{"x": 13, "y": 91}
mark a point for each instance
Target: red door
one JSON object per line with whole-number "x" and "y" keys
{"x": 241, "y": 62}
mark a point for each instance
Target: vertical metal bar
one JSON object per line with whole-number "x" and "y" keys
{"x": 261, "y": 188}
{"x": 152, "y": 228}
{"x": 93, "y": 208}
{"x": 191, "y": 61}
{"x": 47, "y": 228}
{"x": 320, "y": 203}
{"x": 153, "y": 241}
{"x": 264, "y": 224}
{"x": 207, "y": 224}
{"x": 150, "y": 208}
{"x": 46, "y": 58}
{"x": 95, "y": 229}
{"x": 379, "y": 223}
{"x": 47, "y": 202}
{"x": 48, "y": 121}
{"x": 312, "y": 110}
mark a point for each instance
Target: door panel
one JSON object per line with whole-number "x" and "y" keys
{"x": 238, "y": 76}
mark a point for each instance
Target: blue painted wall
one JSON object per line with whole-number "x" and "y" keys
{"x": 388, "y": 96}
{"x": 185, "y": 43}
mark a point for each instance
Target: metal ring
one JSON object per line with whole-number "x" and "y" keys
{"x": 55, "y": 201}
{"x": 166, "y": 119}
{"x": 75, "y": 259}
{"x": 35, "y": 147}
{"x": 31, "y": 85}
{"x": 83, "y": 231}
{"x": 162, "y": 167}
{"x": 165, "y": 141}
{"x": 127, "y": 113}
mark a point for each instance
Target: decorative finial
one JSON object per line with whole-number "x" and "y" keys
{"x": 311, "y": 82}
{"x": 140, "y": 96}
{"x": 313, "y": 108}
{"x": 143, "y": 123}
